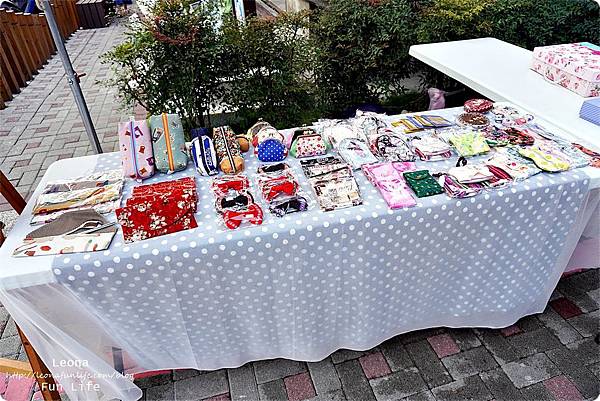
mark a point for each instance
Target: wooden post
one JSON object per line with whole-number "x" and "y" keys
{"x": 46, "y": 33}
{"x": 9, "y": 77}
{"x": 27, "y": 25}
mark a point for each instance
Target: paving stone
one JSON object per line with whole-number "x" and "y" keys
{"x": 151, "y": 379}
{"x": 344, "y": 355}
{"x": 500, "y": 385}
{"x": 559, "y": 327}
{"x": 565, "y": 308}
{"x": 562, "y": 389}
{"x": 586, "y": 351}
{"x": 534, "y": 342}
{"x": 396, "y": 355}
{"x": 465, "y": 339}
{"x": 272, "y": 391}
{"x": 324, "y": 376}
{"x": 469, "y": 363}
{"x": 374, "y": 365}
{"x": 585, "y": 302}
{"x": 429, "y": 365}
{"x": 586, "y": 325}
{"x": 469, "y": 388}
{"x": 529, "y": 323}
{"x": 443, "y": 345}
{"x": 10, "y": 346}
{"x": 595, "y": 369}
{"x": 530, "y": 370}
{"x": 510, "y": 330}
{"x": 221, "y": 397}
{"x": 336, "y": 395}
{"x": 536, "y": 392}
{"x": 19, "y": 388}
{"x": 273, "y": 369}
{"x": 242, "y": 383}
{"x": 165, "y": 392}
{"x": 419, "y": 335}
{"x": 202, "y": 386}
{"x": 181, "y": 374}
{"x": 580, "y": 283}
{"x": 397, "y": 385}
{"x": 422, "y": 396}
{"x": 577, "y": 372}
{"x": 500, "y": 348}
{"x": 354, "y": 383}
{"x": 299, "y": 387}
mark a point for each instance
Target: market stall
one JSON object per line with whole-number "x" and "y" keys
{"x": 397, "y": 244}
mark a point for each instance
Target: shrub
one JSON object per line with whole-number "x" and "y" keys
{"x": 362, "y": 50}
{"x": 269, "y": 66}
{"x": 170, "y": 63}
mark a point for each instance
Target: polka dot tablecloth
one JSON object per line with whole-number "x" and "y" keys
{"x": 307, "y": 284}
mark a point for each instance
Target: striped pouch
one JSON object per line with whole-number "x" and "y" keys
{"x": 168, "y": 143}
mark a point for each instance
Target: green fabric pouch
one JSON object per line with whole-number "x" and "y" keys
{"x": 422, "y": 183}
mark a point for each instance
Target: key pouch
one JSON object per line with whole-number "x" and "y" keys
{"x": 203, "y": 153}
{"x": 307, "y": 143}
{"x": 356, "y": 153}
{"x": 135, "y": 143}
{"x": 271, "y": 150}
{"x": 422, "y": 183}
{"x": 168, "y": 143}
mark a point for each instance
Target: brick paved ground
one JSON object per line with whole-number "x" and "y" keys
{"x": 550, "y": 356}
{"x": 42, "y": 125}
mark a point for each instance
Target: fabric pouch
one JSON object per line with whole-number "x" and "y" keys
{"x": 422, "y": 183}
{"x": 517, "y": 166}
{"x": 271, "y": 150}
{"x": 71, "y": 232}
{"x": 168, "y": 143}
{"x": 545, "y": 158}
{"x": 228, "y": 150}
{"x": 135, "y": 143}
{"x": 307, "y": 143}
{"x": 203, "y": 153}
{"x": 356, "y": 153}
{"x": 471, "y": 173}
{"x": 576, "y": 157}
{"x": 390, "y": 147}
{"x": 387, "y": 178}
{"x": 469, "y": 143}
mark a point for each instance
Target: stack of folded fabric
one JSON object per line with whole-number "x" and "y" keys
{"x": 98, "y": 191}
{"x": 158, "y": 209}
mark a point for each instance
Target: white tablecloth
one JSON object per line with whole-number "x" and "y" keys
{"x": 298, "y": 287}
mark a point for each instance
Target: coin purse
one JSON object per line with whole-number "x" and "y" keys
{"x": 307, "y": 143}
{"x": 422, "y": 183}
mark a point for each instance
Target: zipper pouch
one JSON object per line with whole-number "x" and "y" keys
{"x": 422, "y": 183}
{"x": 471, "y": 173}
{"x": 469, "y": 143}
{"x": 203, "y": 153}
{"x": 576, "y": 157}
{"x": 509, "y": 160}
{"x": 135, "y": 143}
{"x": 307, "y": 143}
{"x": 546, "y": 158}
{"x": 168, "y": 143}
{"x": 391, "y": 147}
{"x": 356, "y": 153}
{"x": 228, "y": 150}
{"x": 430, "y": 148}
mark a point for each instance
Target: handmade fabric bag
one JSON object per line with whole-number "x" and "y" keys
{"x": 168, "y": 143}
{"x": 509, "y": 160}
{"x": 390, "y": 147}
{"x": 228, "y": 150}
{"x": 135, "y": 143}
{"x": 203, "y": 153}
{"x": 356, "y": 153}
{"x": 269, "y": 144}
{"x": 431, "y": 148}
{"x": 422, "y": 183}
{"x": 471, "y": 173}
{"x": 307, "y": 143}
{"x": 387, "y": 178}
{"x": 469, "y": 143}
{"x": 546, "y": 158}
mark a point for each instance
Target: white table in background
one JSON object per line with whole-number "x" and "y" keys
{"x": 500, "y": 71}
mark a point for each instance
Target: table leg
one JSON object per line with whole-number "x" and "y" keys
{"x": 44, "y": 378}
